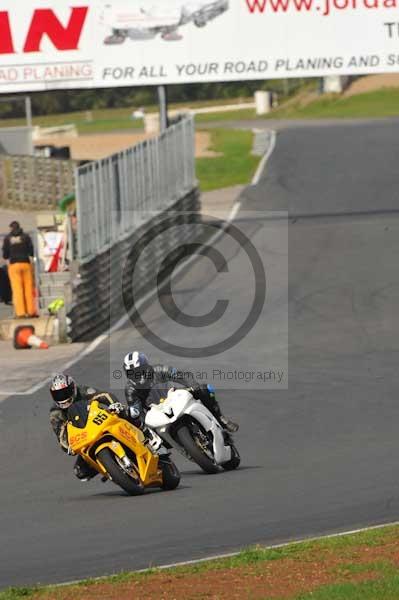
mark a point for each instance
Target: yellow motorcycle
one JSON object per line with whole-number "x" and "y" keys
{"x": 116, "y": 449}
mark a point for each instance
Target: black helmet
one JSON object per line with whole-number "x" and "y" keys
{"x": 63, "y": 390}
{"x": 138, "y": 369}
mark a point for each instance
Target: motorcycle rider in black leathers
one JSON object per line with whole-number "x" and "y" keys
{"x": 147, "y": 384}
{"x": 72, "y": 403}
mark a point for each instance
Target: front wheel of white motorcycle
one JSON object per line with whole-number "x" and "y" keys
{"x": 195, "y": 444}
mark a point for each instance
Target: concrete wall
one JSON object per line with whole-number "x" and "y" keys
{"x": 16, "y": 140}
{"x": 33, "y": 183}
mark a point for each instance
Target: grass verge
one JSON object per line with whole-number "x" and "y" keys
{"x": 235, "y": 164}
{"x": 380, "y": 103}
{"x": 361, "y": 566}
{"x": 246, "y": 114}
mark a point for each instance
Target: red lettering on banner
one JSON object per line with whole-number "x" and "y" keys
{"x": 44, "y": 22}
{"x": 281, "y": 5}
{"x": 254, "y": 5}
{"x": 6, "y": 43}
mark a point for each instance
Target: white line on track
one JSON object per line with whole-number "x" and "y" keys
{"x": 233, "y": 554}
{"x": 263, "y": 162}
{"x": 275, "y": 546}
{"x": 123, "y": 320}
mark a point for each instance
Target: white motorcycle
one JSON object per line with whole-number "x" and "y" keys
{"x": 187, "y": 425}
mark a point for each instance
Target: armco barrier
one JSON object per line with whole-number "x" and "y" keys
{"x": 97, "y": 296}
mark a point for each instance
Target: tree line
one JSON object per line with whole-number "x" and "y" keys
{"x": 44, "y": 103}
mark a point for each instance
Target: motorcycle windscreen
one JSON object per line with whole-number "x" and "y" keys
{"x": 78, "y": 414}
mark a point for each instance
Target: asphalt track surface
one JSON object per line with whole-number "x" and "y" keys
{"x": 318, "y": 458}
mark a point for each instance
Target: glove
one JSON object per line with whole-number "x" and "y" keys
{"x": 116, "y": 408}
{"x": 134, "y": 412}
{"x": 152, "y": 439}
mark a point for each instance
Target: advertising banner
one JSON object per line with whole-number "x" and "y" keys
{"x": 74, "y": 44}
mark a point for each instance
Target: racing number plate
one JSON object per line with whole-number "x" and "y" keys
{"x": 100, "y": 418}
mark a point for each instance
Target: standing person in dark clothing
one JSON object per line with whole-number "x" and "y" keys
{"x": 18, "y": 250}
{"x": 145, "y": 383}
{"x": 5, "y": 287}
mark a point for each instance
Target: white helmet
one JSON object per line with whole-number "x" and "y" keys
{"x": 138, "y": 369}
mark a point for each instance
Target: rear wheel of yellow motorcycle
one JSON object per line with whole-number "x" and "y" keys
{"x": 119, "y": 475}
{"x": 170, "y": 473}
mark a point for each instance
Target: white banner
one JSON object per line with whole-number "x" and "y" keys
{"x": 143, "y": 42}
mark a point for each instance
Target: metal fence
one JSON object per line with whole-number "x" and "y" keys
{"x": 115, "y": 194}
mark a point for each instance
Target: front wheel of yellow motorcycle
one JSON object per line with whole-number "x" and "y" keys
{"x": 119, "y": 474}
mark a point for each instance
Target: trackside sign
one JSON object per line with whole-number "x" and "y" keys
{"x": 73, "y": 44}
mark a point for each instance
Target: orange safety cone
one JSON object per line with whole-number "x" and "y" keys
{"x": 24, "y": 337}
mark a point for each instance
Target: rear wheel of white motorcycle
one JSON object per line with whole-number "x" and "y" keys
{"x": 118, "y": 473}
{"x": 194, "y": 449}
{"x": 170, "y": 474}
{"x": 235, "y": 460}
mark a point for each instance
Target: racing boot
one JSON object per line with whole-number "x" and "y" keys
{"x": 227, "y": 424}
{"x": 152, "y": 441}
{"x": 208, "y": 397}
{"x": 83, "y": 471}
